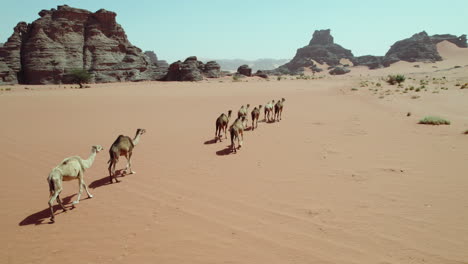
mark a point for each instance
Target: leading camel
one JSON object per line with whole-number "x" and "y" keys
{"x": 69, "y": 169}
{"x": 123, "y": 146}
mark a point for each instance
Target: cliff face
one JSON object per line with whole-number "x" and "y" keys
{"x": 68, "y": 38}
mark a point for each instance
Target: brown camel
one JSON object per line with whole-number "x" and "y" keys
{"x": 237, "y": 132}
{"x": 221, "y": 125}
{"x": 123, "y": 146}
{"x": 279, "y": 109}
{"x": 255, "y": 116}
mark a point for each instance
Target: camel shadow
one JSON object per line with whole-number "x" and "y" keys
{"x": 39, "y": 217}
{"x": 225, "y": 151}
{"x": 270, "y": 121}
{"x": 106, "y": 181}
{"x": 211, "y": 141}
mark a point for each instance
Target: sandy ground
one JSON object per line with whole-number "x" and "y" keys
{"x": 345, "y": 177}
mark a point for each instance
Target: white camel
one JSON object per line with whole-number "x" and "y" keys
{"x": 71, "y": 168}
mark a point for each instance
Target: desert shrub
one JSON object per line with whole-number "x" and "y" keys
{"x": 80, "y": 76}
{"x": 415, "y": 97}
{"x": 278, "y": 78}
{"x": 354, "y": 89}
{"x": 465, "y": 86}
{"x": 434, "y": 120}
{"x": 235, "y": 78}
{"x": 378, "y": 84}
{"x": 466, "y": 132}
{"x": 394, "y": 79}
{"x": 417, "y": 89}
{"x": 8, "y": 89}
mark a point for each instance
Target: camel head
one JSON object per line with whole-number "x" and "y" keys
{"x": 248, "y": 105}
{"x": 229, "y": 113}
{"x": 282, "y": 99}
{"x": 141, "y": 131}
{"x": 97, "y": 148}
{"x": 260, "y": 107}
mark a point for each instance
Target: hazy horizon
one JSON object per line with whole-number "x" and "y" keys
{"x": 260, "y": 29}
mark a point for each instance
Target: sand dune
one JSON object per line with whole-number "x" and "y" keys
{"x": 344, "y": 178}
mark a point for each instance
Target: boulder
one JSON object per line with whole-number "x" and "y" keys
{"x": 339, "y": 70}
{"x": 261, "y": 74}
{"x": 244, "y": 70}
{"x": 212, "y": 70}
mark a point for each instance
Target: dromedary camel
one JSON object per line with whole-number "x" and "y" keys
{"x": 279, "y": 109}
{"x": 123, "y": 146}
{"x": 255, "y": 116}
{"x": 221, "y": 125}
{"x": 69, "y": 169}
{"x": 243, "y": 111}
{"x": 237, "y": 132}
{"x": 269, "y": 110}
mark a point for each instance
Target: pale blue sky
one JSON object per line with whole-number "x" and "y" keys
{"x": 258, "y": 28}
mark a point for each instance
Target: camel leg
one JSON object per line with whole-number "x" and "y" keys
{"x": 110, "y": 170}
{"x": 86, "y": 189}
{"x": 59, "y": 201}
{"x": 225, "y": 133}
{"x": 130, "y": 163}
{"x": 80, "y": 185}
{"x": 51, "y": 203}
{"x": 113, "y": 171}
{"x": 53, "y": 197}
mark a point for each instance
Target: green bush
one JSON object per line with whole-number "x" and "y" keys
{"x": 434, "y": 120}
{"x": 80, "y": 76}
{"x": 394, "y": 79}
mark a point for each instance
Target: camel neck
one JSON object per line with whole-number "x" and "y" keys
{"x": 136, "y": 139}
{"x": 88, "y": 162}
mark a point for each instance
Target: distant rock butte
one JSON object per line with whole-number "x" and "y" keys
{"x": 192, "y": 70}
{"x": 321, "y": 49}
{"x": 67, "y": 38}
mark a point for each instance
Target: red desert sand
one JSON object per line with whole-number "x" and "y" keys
{"x": 345, "y": 177}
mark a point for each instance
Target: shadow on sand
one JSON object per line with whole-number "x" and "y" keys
{"x": 225, "y": 151}
{"x": 211, "y": 141}
{"x": 39, "y": 217}
{"x": 106, "y": 180}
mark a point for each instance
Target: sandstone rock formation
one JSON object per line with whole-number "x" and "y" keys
{"x": 244, "y": 70}
{"x": 152, "y": 56}
{"x": 321, "y": 49}
{"x": 67, "y": 38}
{"x": 192, "y": 70}
{"x": 419, "y": 48}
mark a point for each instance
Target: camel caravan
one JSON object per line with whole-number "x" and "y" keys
{"x": 72, "y": 168}
{"x": 272, "y": 113}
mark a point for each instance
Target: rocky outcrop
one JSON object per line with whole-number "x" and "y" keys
{"x": 153, "y": 58}
{"x": 321, "y": 49}
{"x": 372, "y": 62}
{"x": 67, "y": 38}
{"x": 192, "y": 70}
{"x": 244, "y": 70}
{"x": 459, "y": 41}
{"x": 261, "y": 74}
{"x": 212, "y": 70}
{"x": 418, "y": 48}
